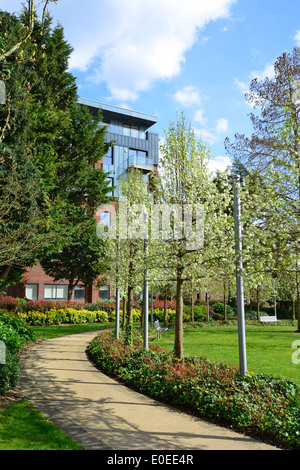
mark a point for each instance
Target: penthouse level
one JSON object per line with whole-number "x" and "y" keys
{"x": 134, "y": 145}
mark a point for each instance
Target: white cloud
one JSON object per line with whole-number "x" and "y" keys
{"x": 188, "y": 96}
{"x": 132, "y": 44}
{"x": 267, "y": 72}
{"x": 211, "y": 136}
{"x": 222, "y": 125}
{"x": 219, "y": 163}
{"x": 242, "y": 86}
{"x": 199, "y": 117}
{"x": 260, "y": 75}
{"x": 297, "y": 37}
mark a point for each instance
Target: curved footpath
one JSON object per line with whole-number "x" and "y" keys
{"x": 101, "y": 414}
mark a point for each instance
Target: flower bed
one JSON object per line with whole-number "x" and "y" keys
{"x": 259, "y": 405}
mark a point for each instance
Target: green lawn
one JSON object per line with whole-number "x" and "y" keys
{"x": 63, "y": 330}
{"x": 22, "y": 426}
{"x": 268, "y": 348}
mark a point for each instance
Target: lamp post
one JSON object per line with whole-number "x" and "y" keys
{"x": 152, "y": 309}
{"x": 239, "y": 278}
{"x": 146, "y": 295}
{"x": 117, "y": 334}
{"x": 2, "y": 92}
{"x": 207, "y": 301}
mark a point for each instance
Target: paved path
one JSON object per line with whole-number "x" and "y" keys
{"x": 100, "y": 413}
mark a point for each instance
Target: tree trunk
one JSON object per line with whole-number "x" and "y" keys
{"x": 4, "y": 271}
{"x": 294, "y": 316}
{"x": 165, "y": 310}
{"x": 70, "y": 289}
{"x": 124, "y": 313}
{"x": 129, "y": 305}
{"x": 224, "y": 297}
{"x": 298, "y": 307}
{"x": 178, "y": 347}
{"x": 257, "y": 303}
{"x": 192, "y": 309}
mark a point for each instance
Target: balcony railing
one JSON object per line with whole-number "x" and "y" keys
{"x": 140, "y": 162}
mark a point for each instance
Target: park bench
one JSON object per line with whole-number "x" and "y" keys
{"x": 269, "y": 319}
{"x": 159, "y": 329}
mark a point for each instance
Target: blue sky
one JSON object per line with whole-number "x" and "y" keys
{"x": 164, "y": 56}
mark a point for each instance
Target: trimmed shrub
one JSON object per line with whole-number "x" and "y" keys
{"x": 219, "y": 308}
{"x": 63, "y": 315}
{"x": 15, "y": 335}
{"x": 259, "y": 405}
{"x": 200, "y": 312}
{"x": 9, "y": 372}
{"x": 10, "y": 303}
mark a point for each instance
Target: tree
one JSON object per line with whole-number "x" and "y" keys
{"x": 185, "y": 184}
{"x": 52, "y": 146}
{"x": 272, "y": 155}
{"x": 22, "y": 221}
{"x": 10, "y": 49}
{"x": 126, "y": 251}
{"x": 83, "y": 260}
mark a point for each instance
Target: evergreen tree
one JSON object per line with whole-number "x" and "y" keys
{"x": 21, "y": 219}
{"x": 52, "y": 145}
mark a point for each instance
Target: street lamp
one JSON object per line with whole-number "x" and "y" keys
{"x": 239, "y": 278}
{"x": 146, "y": 295}
{"x": 117, "y": 332}
{"x": 2, "y": 92}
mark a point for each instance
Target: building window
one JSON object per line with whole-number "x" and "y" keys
{"x": 138, "y": 153}
{"x": 126, "y": 130}
{"x": 133, "y": 131}
{"x": 108, "y": 157}
{"x": 105, "y": 219}
{"x": 79, "y": 293}
{"x": 31, "y": 291}
{"x": 55, "y": 292}
{"x": 104, "y": 292}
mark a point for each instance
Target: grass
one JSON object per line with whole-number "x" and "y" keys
{"x": 55, "y": 331}
{"x": 268, "y": 348}
{"x": 22, "y": 426}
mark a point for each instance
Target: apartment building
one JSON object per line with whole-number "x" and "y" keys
{"x": 135, "y": 145}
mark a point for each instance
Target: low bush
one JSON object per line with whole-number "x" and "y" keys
{"x": 9, "y": 372}
{"x": 219, "y": 308}
{"x": 200, "y": 312}
{"x": 15, "y": 335}
{"x": 64, "y": 315}
{"x": 171, "y": 304}
{"x": 258, "y": 405}
{"x": 10, "y": 303}
{"x": 46, "y": 305}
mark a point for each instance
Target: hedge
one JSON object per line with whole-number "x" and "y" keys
{"x": 258, "y": 405}
{"x": 64, "y": 315}
{"x": 15, "y": 335}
